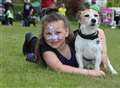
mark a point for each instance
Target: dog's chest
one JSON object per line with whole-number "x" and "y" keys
{"x": 87, "y": 47}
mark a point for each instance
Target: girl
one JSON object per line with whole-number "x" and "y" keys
{"x": 56, "y": 47}
{"x": 62, "y": 9}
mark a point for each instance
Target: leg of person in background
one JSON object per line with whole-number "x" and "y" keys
{"x": 113, "y": 24}
{"x": 32, "y": 20}
{"x": 6, "y": 20}
{"x": 10, "y": 21}
{"x": 34, "y": 23}
{"x": 117, "y": 20}
{"x": 26, "y": 22}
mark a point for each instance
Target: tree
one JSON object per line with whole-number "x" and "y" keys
{"x": 17, "y": 1}
{"x": 72, "y": 6}
{"x": 113, "y": 3}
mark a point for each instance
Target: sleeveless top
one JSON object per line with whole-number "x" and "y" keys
{"x": 72, "y": 61}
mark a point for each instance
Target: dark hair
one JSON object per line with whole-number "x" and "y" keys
{"x": 53, "y": 17}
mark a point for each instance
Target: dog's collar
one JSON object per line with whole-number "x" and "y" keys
{"x": 89, "y": 60}
{"x": 90, "y": 36}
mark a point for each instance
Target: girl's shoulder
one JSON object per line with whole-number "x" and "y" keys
{"x": 43, "y": 47}
{"x": 101, "y": 33}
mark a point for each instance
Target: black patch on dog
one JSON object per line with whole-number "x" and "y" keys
{"x": 90, "y": 36}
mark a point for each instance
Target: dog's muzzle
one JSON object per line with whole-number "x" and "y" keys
{"x": 93, "y": 22}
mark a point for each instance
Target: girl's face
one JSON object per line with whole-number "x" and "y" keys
{"x": 55, "y": 34}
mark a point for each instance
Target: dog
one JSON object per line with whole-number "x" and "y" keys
{"x": 87, "y": 44}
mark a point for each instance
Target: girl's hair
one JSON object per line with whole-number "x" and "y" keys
{"x": 53, "y": 17}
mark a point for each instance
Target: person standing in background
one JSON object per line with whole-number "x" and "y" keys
{"x": 48, "y": 6}
{"x": 48, "y": 3}
{"x": 62, "y": 9}
{"x": 94, "y": 6}
{"x": 9, "y": 12}
{"x": 27, "y": 10}
{"x": 8, "y": 4}
{"x": 10, "y": 17}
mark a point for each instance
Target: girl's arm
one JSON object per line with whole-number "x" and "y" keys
{"x": 54, "y": 63}
{"x": 104, "y": 50}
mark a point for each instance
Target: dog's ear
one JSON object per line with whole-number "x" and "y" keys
{"x": 82, "y": 7}
{"x": 78, "y": 15}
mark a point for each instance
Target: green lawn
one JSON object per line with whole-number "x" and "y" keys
{"x": 15, "y": 72}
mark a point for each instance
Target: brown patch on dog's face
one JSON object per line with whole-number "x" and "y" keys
{"x": 88, "y": 17}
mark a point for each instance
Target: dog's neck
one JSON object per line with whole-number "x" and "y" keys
{"x": 93, "y": 34}
{"x": 86, "y": 30}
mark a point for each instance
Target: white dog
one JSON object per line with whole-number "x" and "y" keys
{"x": 87, "y": 44}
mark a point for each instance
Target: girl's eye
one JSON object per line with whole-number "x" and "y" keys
{"x": 58, "y": 32}
{"x": 48, "y": 33}
{"x": 86, "y": 15}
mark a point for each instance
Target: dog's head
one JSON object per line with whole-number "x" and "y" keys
{"x": 89, "y": 18}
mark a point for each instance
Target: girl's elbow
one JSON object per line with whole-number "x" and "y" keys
{"x": 57, "y": 68}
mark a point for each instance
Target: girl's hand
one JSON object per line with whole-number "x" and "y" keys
{"x": 104, "y": 65}
{"x": 96, "y": 73}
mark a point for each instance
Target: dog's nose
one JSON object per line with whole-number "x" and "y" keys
{"x": 93, "y": 20}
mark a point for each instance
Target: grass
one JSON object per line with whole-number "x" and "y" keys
{"x": 15, "y": 72}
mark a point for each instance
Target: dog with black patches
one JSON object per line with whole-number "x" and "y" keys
{"x": 87, "y": 42}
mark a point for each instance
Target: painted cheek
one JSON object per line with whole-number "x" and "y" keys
{"x": 54, "y": 38}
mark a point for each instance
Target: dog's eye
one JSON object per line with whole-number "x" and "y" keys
{"x": 96, "y": 15}
{"x": 87, "y": 15}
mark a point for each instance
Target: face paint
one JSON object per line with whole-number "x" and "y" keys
{"x": 53, "y": 36}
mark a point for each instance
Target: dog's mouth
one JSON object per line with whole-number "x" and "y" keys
{"x": 93, "y": 24}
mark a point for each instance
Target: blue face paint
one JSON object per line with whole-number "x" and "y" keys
{"x": 53, "y": 36}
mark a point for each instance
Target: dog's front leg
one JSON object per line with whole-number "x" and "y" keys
{"x": 79, "y": 60}
{"x": 98, "y": 61}
{"x": 78, "y": 49}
